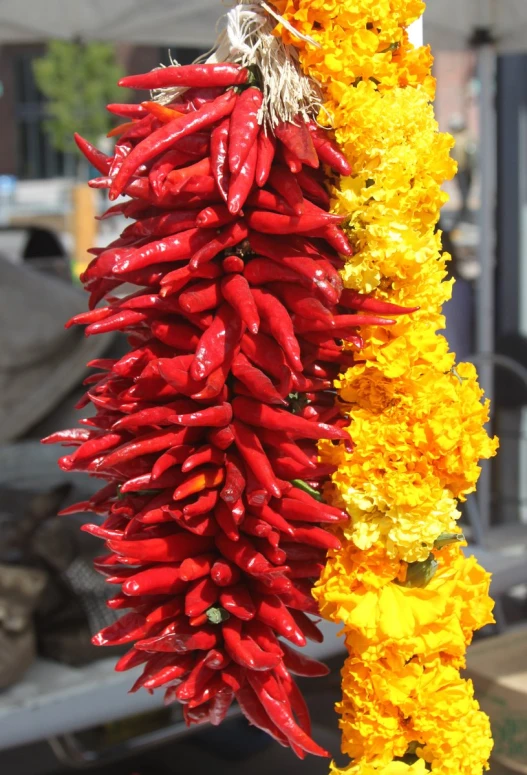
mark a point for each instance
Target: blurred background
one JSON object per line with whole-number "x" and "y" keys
{"x": 62, "y": 708}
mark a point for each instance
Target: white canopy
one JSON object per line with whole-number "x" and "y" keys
{"x": 450, "y": 24}
{"x": 147, "y": 22}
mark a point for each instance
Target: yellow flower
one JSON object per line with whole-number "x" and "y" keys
{"x": 382, "y": 617}
{"x": 394, "y": 768}
{"x": 416, "y": 421}
{"x": 392, "y": 707}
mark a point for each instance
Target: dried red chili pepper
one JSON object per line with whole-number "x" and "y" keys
{"x": 206, "y": 75}
{"x": 244, "y": 127}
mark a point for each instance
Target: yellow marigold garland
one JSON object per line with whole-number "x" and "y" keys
{"x": 409, "y": 600}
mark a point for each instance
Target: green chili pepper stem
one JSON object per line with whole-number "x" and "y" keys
{"x": 306, "y": 488}
{"x": 216, "y": 614}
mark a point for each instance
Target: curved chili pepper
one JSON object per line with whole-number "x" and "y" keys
{"x": 252, "y": 452}
{"x": 238, "y": 602}
{"x": 297, "y": 138}
{"x": 96, "y": 158}
{"x": 256, "y": 382}
{"x": 281, "y": 717}
{"x": 244, "y": 127}
{"x": 266, "y": 145}
{"x": 253, "y": 709}
{"x": 217, "y": 342}
{"x": 202, "y": 594}
{"x": 358, "y": 301}
{"x": 285, "y": 183}
{"x": 205, "y": 75}
{"x": 328, "y": 152}
{"x": 242, "y": 181}
{"x": 236, "y": 291}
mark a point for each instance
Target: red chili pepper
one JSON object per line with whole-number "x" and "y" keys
{"x": 267, "y": 200}
{"x": 297, "y": 510}
{"x": 205, "y": 454}
{"x": 279, "y": 323}
{"x": 178, "y": 179}
{"x": 338, "y": 322}
{"x": 283, "y": 719}
{"x": 244, "y": 127}
{"x": 163, "y": 225}
{"x": 131, "y": 660}
{"x": 201, "y": 296}
{"x": 238, "y": 602}
{"x": 178, "y": 278}
{"x": 171, "y": 610}
{"x": 313, "y": 188}
{"x": 307, "y": 625}
{"x": 266, "y": 145}
{"x": 96, "y": 158}
{"x": 176, "y": 247}
{"x": 161, "y": 112}
{"x": 202, "y": 594}
{"x": 129, "y": 627}
{"x": 70, "y": 438}
{"x": 126, "y": 110}
{"x": 275, "y": 223}
{"x": 221, "y": 437}
{"x": 285, "y": 183}
{"x": 225, "y": 573}
{"x": 297, "y": 138}
{"x": 274, "y": 418}
{"x": 194, "y": 76}
{"x": 243, "y": 650}
{"x": 217, "y": 659}
{"x": 196, "y": 567}
{"x": 251, "y": 450}
{"x": 228, "y": 237}
{"x": 176, "y": 669}
{"x": 252, "y": 708}
{"x": 217, "y": 342}
{"x": 256, "y": 382}
{"x": 242, "y": 182}
{"x": 213, "y": 217}
{"x": 328, "y": 152}
{"x": 203, "y": 504}
{"x": 358, "y": 301}
{"x": 219, "y": 149}
{"x": 199, "y": 481}
{"x": 226, "y": 521}
{"x": 163, "y": 138}
{"x": 185, "y": 638}
{"x": 220, "y": 705}
{"x": 315, "y": 536}
{"x": 162, "y": 580}
{"x": 242, "y": 554}
{"x": 232, "y": 264}
{"x": 273, "y": 518}
{"x": 171, "y": 548}
{"x": 236, "y": 291}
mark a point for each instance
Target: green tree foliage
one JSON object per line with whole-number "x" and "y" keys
{"x": 78, "y": 81}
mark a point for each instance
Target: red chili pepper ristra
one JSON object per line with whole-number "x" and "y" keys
{"x": 206, "y": 431}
